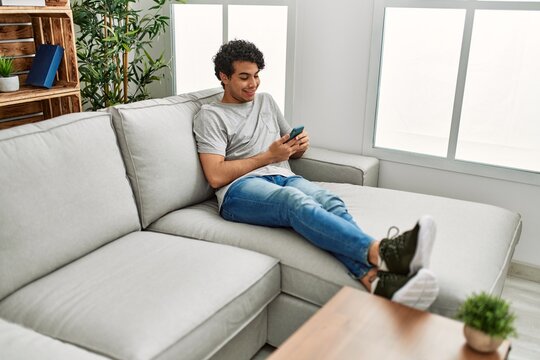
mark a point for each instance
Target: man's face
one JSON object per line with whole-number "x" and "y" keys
{"x": 242, "y": 84}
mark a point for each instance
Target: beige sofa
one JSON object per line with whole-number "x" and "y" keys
{"x": 111, "y": 245}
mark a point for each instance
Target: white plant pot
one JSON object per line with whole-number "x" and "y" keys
{"x": 481, "y": 341}
{"x": 8, "y": 84}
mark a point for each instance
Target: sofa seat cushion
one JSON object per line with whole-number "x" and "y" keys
{"x": 149, "y": 295}
{"x": 306, "y": 272}
{"x": 472, "y": 251}
{"x": 19, "y": 343}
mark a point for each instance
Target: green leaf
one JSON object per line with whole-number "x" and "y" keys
{"x": 108, "y": 29}
{"x": 6, "y": 66}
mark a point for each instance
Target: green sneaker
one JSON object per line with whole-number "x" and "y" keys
{"x": 409, "y": 252}
{"x": 418, "y": 291}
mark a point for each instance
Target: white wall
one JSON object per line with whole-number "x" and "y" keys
{"x": 331, "y": 72}
{"x": 333, "y": 44}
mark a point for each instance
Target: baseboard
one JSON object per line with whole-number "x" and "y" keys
{"x": 525, "y": 271}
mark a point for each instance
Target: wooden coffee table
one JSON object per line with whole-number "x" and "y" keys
{"x": 358, "y": 325}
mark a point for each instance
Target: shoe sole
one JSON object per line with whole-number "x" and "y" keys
{"x": 424, "y": 247}
{"x": 419, "y": 292}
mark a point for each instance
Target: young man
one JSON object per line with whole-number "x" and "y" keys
{"x": 244, "y": 148}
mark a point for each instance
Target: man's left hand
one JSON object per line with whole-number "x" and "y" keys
{"x": 301, "y": 144}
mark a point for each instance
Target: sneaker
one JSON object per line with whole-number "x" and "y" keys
{"x": 418, "y": 291}
{"x": 409, "y": 252}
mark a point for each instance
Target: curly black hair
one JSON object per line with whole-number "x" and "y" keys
{"x": 236, "y": 50}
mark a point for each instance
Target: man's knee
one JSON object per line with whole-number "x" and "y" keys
{"x": 295, "y": 199}
{"x": 330, "y": 201}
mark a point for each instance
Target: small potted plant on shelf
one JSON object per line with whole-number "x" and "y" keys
{"x": 488, "y": 321}
{"x": 8, "y": 81}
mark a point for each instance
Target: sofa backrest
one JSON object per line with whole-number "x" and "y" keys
{"x": 159, "y": 150}
{"x": 63, "y": 193}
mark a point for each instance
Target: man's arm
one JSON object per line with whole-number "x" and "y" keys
{"x": 220, "y": 172}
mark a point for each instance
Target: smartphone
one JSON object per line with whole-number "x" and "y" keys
{"x": 295, "y": 132}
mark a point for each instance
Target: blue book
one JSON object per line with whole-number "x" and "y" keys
{"x": 44, "y": 66}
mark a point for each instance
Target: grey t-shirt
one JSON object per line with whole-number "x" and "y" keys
{"x": 240, "y": 131}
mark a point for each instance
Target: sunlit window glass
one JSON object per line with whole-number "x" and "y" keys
{"x": 198, "y": 34}
{"x": 500, "y": 121}
{"x": 266, "y": 27}
{"x": 419, "y": 67}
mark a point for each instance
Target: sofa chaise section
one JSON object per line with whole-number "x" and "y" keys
{"x": 465, "y": 230}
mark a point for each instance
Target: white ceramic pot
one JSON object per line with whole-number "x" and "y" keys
{"x": 481, "y": 341}
{"x": 8, "y": 84}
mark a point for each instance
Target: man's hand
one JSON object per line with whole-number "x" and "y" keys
{"x": 302, "y": 143}
{"x": 282, "y": 149}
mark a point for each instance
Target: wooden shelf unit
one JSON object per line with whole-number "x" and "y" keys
{"x": 22, "y": 30}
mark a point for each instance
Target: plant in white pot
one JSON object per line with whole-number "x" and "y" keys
{"x": 488, "y": 321}
{"x": 8, "y": 81}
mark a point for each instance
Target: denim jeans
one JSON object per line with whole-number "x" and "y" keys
{"x": 315, "y": 213}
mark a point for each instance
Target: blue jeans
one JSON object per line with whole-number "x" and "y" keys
{"x": 315, "y": 213}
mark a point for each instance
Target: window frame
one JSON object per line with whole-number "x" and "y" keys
{"x": 448, "y": 163}
{"x": 291, "y": 37}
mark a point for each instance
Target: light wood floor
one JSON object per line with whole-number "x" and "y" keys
{"x": 524, "y": 297}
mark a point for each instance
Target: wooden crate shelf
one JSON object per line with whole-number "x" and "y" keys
{"x": 56, "y": 11}
{"x": 29, "y": 93}
{"x": 38, "y": 110}
{"x": 22, "y": 30}
{"x": 50, "y": 5}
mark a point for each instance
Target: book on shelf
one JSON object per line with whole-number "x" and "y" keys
{"x": 44, "y": 66}
{"x": 22, "y": 2}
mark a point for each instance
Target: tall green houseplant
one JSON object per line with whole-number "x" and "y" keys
{"x": 113, "y": 46}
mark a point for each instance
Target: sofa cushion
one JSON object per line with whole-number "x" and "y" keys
{"x": 156, "y": 138}
{"x": 472, "y": 251}
{"x": 19, "y": 343}
{"x": 306, "y": 272}
{"x": 149, "y": 295}
{"x": 64, "y": 193}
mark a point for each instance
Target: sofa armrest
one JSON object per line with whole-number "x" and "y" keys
{"x": 319, "y": 164}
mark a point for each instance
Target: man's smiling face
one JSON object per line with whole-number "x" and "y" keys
{"x": 243, "y": 83}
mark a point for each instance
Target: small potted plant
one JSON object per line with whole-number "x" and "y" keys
{"x": 488, "y": 321}
{"x": 8, "y": 81}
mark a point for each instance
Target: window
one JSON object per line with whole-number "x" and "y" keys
{"x": 197, "y": 31}
{"x": 455, "y": 84}
{"x": 200, "y": 28}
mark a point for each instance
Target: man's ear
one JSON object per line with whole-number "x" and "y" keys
{"x": 223, "y": 77}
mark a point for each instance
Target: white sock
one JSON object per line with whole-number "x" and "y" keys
{"x": 382, "y": 264}
{"x": 374, "y": 284}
